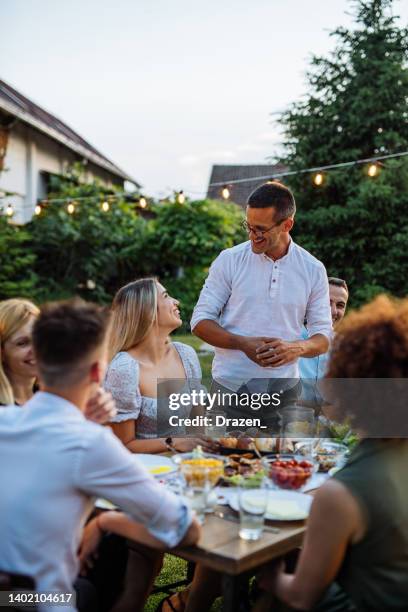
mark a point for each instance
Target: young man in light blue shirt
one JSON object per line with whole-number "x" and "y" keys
{"x": 311, "y": 370}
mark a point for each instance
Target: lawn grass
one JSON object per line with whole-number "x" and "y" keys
{"x": 174, "y": 569}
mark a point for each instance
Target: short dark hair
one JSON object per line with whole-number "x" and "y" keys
{"x": 64, "y": 335}
{"x": 274, "y": 195}
{"x": 338, "y": 282}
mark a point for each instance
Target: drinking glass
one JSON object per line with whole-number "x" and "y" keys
{"x": 200, "y": 475}
{"x": 197, "y": 487}
{"x": 253, "y": 502}
{"x": 213, "y": 430}
{"x": 298, "y": 422}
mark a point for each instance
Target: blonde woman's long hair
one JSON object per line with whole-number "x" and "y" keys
{"x": 134, "y": 313}
{"x": 14, "y": 313}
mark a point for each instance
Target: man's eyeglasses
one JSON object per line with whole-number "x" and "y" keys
{"x": 258, "y": 232}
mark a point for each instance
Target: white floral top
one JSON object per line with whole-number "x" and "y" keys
{"x": 122, "y": 380}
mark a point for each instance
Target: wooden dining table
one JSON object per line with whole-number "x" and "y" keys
{"x": 221, "y": 549}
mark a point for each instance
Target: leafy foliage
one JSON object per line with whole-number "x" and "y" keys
{"x": 17, "y": 278}
{"x": 185, "y": 240}
{"x": 88, "y": 252}
{"x": 93, "y": 252}
{"x": 356, "y": 108}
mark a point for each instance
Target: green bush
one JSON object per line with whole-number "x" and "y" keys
{"x": 90, "y": 252}
{"x": 17, "y": 278}
{"x": 94, "y": 252}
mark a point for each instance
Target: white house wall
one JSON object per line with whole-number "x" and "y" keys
{"x": 29, "y": 153}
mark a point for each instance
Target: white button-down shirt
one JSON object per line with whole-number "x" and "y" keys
{"x": 52, "y": 464}
{"x": 252, "y": 295}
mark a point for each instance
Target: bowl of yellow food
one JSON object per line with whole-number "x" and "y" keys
{"x": 202, "y": 472}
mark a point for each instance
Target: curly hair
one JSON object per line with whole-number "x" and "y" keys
{"x": 367, "y": 375}
{"x": 372, "y": 342}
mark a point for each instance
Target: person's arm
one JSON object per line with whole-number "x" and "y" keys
{"x": 276, "y": 352}
{"x": 120, "y": 524}
{"x": 336, "y": 521}
{"x": 214, "y": 334}
{"x": 213, "y": 298}
{"x": 126, "y": 432}
{"x": 318, "y": 314}
{"x": 101, "y": 407}
{"x": 104, "y": 468}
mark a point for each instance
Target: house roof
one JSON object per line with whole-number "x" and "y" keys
{"x": 222, "y": 175}
{"x": 17, "y": 105}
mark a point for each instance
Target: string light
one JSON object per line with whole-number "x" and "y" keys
{"x": 37, "y": 209}
{"x": 373, "y": 170}
{"x": 105, "y": 206}
{"x": 318, "y": 179}
{"x": 9, "y": 210}
{"x": 181, "y": 198}
{"x": 225, "y": 193}
{"x": 71, "y": 208}
{"x": 142, "y": 202}
{"x": 318, "y": 169}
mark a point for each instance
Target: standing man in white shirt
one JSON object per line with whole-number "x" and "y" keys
{"x": 54, "y": 462}
{"x": 257, "y": 295}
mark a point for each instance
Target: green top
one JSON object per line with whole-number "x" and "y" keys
{"x": 375, "y": 570}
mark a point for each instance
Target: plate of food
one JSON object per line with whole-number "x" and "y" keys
{"x": 157, "y": 465}
{"x": 239, "y": 466}
{"x": 282, "y": 505}
{"x": 241, "y": 443}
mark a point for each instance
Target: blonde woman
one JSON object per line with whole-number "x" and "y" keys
{"x": 17, "y": 363}
{"x": 143, "y": 316}
{"x": 18, "y": 369}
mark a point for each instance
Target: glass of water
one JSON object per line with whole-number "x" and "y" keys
{"x": 196, "y": 489}
{"x": 253, "y": 502}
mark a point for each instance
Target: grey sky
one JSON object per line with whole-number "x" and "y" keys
{"x": 165, "y": 88}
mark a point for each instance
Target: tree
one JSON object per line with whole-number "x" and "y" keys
{"x": 184, "y": 239}
{"x": 357, "y": 107}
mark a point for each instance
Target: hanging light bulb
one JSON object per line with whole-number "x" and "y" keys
{"x": 71, "y": 208}
{"x": 37, "y": 209}
{"x": 225, "y": 192}
{"x": 373, "y": 170}
{"x": 142, "y": 202}
{"x": 318, "y": 179}
{"x": 105, "y": 206}
{"x": 181, "y": 198}
{"x": 9, "y": 210}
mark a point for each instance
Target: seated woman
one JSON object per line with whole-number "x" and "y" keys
{"x": 355, "y": 552}
{"x": 17, "y": 364}
{"x": 18, "y": 369}
{"x": 143, "y": 316}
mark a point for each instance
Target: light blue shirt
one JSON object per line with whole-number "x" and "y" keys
{"x": 53, "y": 462}
{"x": 311, "y": 370}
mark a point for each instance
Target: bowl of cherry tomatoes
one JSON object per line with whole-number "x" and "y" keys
{"x": 289, "y": 471}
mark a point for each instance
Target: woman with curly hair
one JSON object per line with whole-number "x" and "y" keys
{"x": 355, "y": 552}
